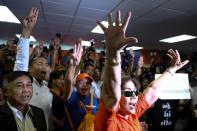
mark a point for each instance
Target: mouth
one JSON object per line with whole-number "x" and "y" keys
{"x": 132, "y": 105}
{"x": 26, "y": 97}
{"x": 43, "y": 73}
{"x": 84, "y": 90}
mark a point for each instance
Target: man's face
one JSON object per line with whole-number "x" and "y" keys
{"x": 83, "y": 86}
{"x": 19, "y": 91}
{"x": 128, "y": 99}
{"x": 89, "y": 69}
{"x": 40, "y": 69}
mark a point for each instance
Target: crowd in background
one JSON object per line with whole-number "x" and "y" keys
{"x": 59, "y": 68}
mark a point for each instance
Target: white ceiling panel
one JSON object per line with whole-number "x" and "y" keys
{"x": 59, "y": 18}
{"x": 105, "y": 5}
{"x": 84, "y": 21}
{"x": 164, "y": 14}
{"x": 151, "y": 19}
{"x": 182, "y": 5}
{"x": 58, "y": 8}
{"x": 22, "y": 4}
{"x": 90, "y": 13}
{"x": 139, "y": 7}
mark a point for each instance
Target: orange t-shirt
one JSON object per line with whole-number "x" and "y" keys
{"x": 106, "y": 120}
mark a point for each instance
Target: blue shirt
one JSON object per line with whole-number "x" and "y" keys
{"x": 76, "y": 110}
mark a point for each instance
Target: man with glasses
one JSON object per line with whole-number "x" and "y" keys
{"x": 120, "y": 106}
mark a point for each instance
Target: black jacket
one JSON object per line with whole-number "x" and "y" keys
{"x": 8, "y": 123}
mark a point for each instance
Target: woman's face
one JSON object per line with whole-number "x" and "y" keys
{"x": 59, "y": 82}
{"x": 129, "y": 98}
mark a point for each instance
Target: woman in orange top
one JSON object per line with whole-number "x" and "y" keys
{"x": 120, "y": 106}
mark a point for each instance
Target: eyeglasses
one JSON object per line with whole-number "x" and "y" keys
{"x": 130, "y": 93}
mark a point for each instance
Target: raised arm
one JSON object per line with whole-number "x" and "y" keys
{"x": 151, "y": 93}
{"x": 70, "y": 74}
{"x": 138, "y": 70}
{"x": 22, "y": 56}
{"x": 115, "y": 42}
{"x": 56, "y": 45}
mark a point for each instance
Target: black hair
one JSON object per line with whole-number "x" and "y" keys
{"x": 14, "y": 75}
{"x": 55, "y": 75}
{"x": 125, "y": 79}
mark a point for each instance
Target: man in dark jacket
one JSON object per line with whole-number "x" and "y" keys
{"x": 16, "y": 114}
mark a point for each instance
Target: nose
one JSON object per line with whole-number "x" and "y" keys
{"x": 133, "y": 96}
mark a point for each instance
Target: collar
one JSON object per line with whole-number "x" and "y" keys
{"x": 44, "y": 83}
{"x": 18, "y": 113}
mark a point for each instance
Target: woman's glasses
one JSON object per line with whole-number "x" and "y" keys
{"x": 131, "y": 93}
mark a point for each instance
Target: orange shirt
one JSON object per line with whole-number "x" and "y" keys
{"x": 106, "y": 120}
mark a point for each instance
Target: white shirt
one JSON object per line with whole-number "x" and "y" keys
{"x": 42, "y": 98}
{"x": 22, "y": 56}
{"x": 96, "y": 87}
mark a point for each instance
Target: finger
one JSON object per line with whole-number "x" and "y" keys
{"x": 110, "y": 21}
{"x": 126, "y": 21}
{"x": 74, "y": 51}
{"x": 78, "y": 48}
{"x": 118, "y": 18}
{"x": 169, "y": 56}
{"x": 184, "y": 63}
{"x": 80, "y": 51}
{"x": 178, "y": 56}
{"x": 130, "y": 40}
{"x": 101, "y": 25}
{"x": 36, "y": 14}
{"x": 173, "y": 53}
{"x": 141, "y": 59}
{"x": 31, "y": 12}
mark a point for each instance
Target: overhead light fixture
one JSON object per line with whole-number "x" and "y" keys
{"x": 31, "y": 37}
{"x": 98, "y": 29}
{"x": 134, "y": 48}
{"x": 7, "y": 16}
{"x": 178, "y": 38}
{"x": 85, "y": 43}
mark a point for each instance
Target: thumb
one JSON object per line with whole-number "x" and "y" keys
{"x": 184, "y": 63}
{"x": 131, "y": 40}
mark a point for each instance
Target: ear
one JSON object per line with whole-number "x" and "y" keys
{"x": 5, "y": 91}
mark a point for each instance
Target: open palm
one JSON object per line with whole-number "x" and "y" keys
{"x": 76, "y": 55}
{"x": 115, "y": 34}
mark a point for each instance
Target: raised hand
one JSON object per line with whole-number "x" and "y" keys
{"x": 29, "y": 22}
{"x": 77, "y": 54}
{"x": 141, "y": 62}
{"x": 56, "y": 43}
{"x": 175, "y": 61}
{"x": 115, "y": 34}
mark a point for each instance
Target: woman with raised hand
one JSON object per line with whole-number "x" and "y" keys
{"x": 120, "y": 106}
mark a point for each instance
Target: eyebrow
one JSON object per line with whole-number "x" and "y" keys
{"x": 135, "y": 89}
{"x": 22, "y": 82}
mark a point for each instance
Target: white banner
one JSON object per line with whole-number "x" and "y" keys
{"x": 176, "y": 88}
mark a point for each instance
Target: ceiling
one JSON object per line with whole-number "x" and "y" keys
{"x": 152, "y": 20}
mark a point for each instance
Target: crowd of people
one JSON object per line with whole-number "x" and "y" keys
{"x": 85, "y": 90}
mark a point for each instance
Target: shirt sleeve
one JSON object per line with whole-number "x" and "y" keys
{"x": 22, "y": 56}
{"x": 142, "y": 105}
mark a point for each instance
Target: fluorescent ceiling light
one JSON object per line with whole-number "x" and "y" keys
{"x": 7, "y": 16}
{"x": 31, "y": 37}
{"x": 134, "y": 48}
{"x": 98, "y": 29}
{"x": 85, "y": 43}
{"x": 178, "y": 38}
